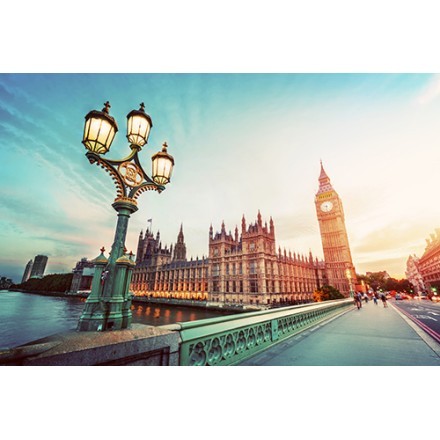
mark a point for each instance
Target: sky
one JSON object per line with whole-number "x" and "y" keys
{"x": 241, "y": 143}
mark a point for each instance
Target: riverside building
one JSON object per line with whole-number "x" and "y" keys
{"x": 335, "y": 244}
{"x": 241, "y": 269}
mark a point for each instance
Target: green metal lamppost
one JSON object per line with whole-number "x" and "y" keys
{"x": 109, "y": 302}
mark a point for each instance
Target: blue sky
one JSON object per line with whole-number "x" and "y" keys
{"x": 241, "y": 142}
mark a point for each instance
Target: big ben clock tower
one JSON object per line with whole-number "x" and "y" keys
{"x": 339, "y": 265}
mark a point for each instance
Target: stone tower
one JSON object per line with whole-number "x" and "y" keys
{"x": 180, "y": 248}
{"x": 338, "y": 262}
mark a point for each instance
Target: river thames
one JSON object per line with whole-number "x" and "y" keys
{"x": 26, "y": 317}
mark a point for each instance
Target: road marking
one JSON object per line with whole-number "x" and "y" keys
{"x": 424, "y": 317}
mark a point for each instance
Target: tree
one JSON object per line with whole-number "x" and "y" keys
{"x": 49, "y": 283}
{"x": 326, "y": 293}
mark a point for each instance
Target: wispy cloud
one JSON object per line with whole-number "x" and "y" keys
{"x": 431, "y": 91}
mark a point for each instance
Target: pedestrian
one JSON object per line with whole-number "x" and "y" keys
{"x": 358, "y": 300}
{"x": 366, "y": 298}
{"x": 375, "y": 298}
{"x": 384, "y": 299}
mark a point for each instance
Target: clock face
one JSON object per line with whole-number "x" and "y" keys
{"x": 326, "y": 206}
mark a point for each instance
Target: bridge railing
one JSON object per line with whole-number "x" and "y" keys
{"x": 230, "y": 339}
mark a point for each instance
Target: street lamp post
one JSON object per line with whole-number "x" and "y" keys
{"x": 108, "y": 304}
{"x": 349, "y": 277}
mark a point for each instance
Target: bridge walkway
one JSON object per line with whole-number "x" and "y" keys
{"x": 371, "y": 336}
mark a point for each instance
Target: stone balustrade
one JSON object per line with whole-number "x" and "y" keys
{"x": 229, "y": 340}
{"x": 226, "y": 340}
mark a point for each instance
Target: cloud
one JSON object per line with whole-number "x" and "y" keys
{"x": 392, "y": 237}
{"x": 431, "y": 91}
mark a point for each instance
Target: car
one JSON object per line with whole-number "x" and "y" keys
{"x": 398, "y": 296}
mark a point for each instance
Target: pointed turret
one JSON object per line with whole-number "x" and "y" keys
{"x": 180, "y": 248}
{"x": 324, "y": 181}
{"x": 211, "y": 232}
{"x": 243, "y": 225}
{"x": 259, "y": 221}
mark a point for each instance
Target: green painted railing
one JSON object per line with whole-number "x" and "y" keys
{"x": 231, "y": 339}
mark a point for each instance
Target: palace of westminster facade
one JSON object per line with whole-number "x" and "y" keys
{"x": 245, "y": 268}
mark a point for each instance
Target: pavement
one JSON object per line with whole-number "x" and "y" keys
{"x": 372, "y": 336}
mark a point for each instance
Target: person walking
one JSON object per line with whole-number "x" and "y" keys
{"x": 366, "y": 298}
{"x": 358, "y": 300}
{"x": 384, "y": 299}
{"x": 375, "y": 298}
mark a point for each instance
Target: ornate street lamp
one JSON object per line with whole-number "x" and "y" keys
{"x": 108, "y": 305}
{"x": 349, "y": 276}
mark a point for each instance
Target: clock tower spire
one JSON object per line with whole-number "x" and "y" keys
{"x": 338, "y": 262}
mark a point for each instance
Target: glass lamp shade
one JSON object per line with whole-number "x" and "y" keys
{"x": 162, "y": 166}
{"x": 138, "y": 126}
{"x": 99, "y": 130}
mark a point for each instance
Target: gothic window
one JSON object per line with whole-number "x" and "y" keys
{"x": 253, "y": 285}
{"x": 253, "y": 267}
{"x": 215, "y": 270}
{"x": 252, "y": 247}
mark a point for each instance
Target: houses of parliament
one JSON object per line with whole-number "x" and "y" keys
{"x": 246, "y": 268}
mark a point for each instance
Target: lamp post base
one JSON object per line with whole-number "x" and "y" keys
{"x": 103, "y": 316}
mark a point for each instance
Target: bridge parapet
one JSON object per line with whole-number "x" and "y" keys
{"x": 229, "y": 340}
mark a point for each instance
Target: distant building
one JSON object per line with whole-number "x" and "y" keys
{"x": 429, "y": 262}
{"x": 413, "y": 274}
{"x": 5, "y": 283}
{"x": 27, "y": 271}
{"x": 82, "y": 276}
{"x": 39, "y": 266}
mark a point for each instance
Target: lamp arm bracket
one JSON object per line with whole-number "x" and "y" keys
{"x": 107, "y": 165}
{"x": 148, "y": 185}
